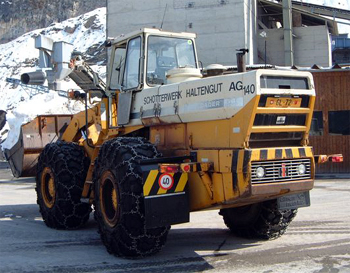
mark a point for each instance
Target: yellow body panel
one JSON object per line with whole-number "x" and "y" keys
{"x": 209, "y": 156}
{"x": 199, "y": 195}
{"x": 309, "y": 120}
{"x": 208, "y": 134}
{"x": 225, "y": 161}
{"x": 79, "y": 121}
{"x": 169, "y": 137}
{"x": 241, "y": 124}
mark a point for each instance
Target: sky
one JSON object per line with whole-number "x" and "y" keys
{"x": 340, "y": 4}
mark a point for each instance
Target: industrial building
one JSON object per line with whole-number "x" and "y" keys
{"x": 223, "y": 26}
{"x": 330, "y": 132}
{"x": 341, "y": 49}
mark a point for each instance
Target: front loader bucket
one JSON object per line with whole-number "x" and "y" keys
{"x": 33, "y": 137}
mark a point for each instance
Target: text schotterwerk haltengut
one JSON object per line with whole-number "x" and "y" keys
{"x": 191, "y": 92}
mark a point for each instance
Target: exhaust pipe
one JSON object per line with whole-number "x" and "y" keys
{"x": 240, "y": 55}
{"x": 33, "y": 78}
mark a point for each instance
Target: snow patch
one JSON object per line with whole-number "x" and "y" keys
{"x": 20, "y": 56}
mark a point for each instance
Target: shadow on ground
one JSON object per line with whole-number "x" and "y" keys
{"x": 186, "y": 250}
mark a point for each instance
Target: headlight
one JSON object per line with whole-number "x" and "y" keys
{"x": 301, "y": 169}
{"x": 260, "y": 172}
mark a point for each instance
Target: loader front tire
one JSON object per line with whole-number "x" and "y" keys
{"x": 61, "y": 172}
{"x": 119, "y": 205}
{"x": 260, "y": 221}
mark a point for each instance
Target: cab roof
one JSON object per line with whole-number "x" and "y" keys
{"x": 152, "y": 31}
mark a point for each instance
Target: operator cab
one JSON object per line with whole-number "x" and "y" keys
{"x": 152, "y": 57}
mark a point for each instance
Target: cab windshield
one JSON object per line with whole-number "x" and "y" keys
{"x": 165, "y": 53}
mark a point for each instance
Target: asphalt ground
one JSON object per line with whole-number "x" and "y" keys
{"x": 318, "y": 240}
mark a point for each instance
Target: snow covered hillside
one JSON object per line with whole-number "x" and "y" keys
{"x": 86, "y": 33}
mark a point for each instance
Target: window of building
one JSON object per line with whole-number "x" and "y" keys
{"x": 339, "y": 122}
{"x": 317, "y": 124}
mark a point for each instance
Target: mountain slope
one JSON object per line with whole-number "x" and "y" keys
{"x": 20, "y": 16}
{"x": 85, "y": 32}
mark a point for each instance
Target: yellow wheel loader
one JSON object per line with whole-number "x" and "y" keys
{"x": 165, "y": 138}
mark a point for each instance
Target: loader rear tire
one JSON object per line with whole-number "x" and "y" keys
{"x": 119, "y": 205}
{"x": 260, "y": 221}
{"x": 61, "y": 172}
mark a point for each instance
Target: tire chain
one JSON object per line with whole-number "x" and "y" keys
{"x": 274, "y": 222}
{"x": 131, "y": 188}
{"x": 69, "y": 166}
{"x": 270, "y": 223}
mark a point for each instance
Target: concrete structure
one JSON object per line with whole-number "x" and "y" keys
{"x": 222, "y": 26}
{"x": 288, "y": 33}
{"x": 310, "y": 32}
{"x": 311, "y": 45}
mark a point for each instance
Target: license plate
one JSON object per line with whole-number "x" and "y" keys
{"x": 294, "y": 201}
{"x": 283, "y": 102}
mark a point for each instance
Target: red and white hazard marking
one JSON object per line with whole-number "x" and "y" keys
{"x": 166, "y": 181}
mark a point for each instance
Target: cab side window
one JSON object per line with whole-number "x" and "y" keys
{"x": 118, "y": 67}
{"x": 132, "y": 66}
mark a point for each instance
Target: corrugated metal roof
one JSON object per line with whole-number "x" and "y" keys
{"x": 308, "y": 17}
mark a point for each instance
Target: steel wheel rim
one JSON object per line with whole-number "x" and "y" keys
{"x": 48, "y": 189}
{"x": 109, "y": 199}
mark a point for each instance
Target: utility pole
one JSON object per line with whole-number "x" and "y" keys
{"x": 288, "y": 35}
